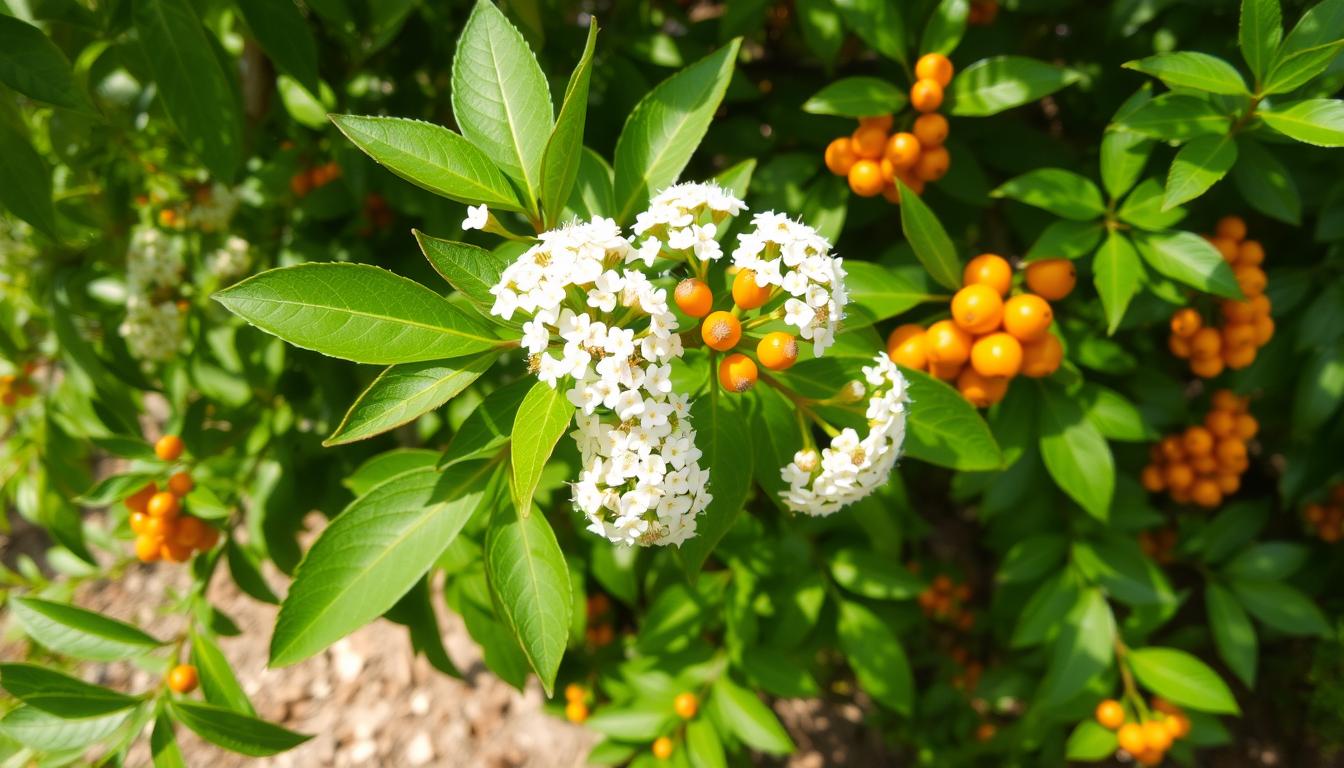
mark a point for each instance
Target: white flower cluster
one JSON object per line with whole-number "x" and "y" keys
{"x": 212, "y": 211}
{"x": 153, "y": 261}
{"x": 153, "y": 326}
{"x": 851, "y": 468}
{"x": 152, "y": 330}
{"x": 684, "y": 219}
{"x": 230, "y": 260}
{"x": 794, "y": 257}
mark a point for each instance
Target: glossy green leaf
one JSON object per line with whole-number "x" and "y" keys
{"x": 489, "y": 426}
{"x": 564, "y": 149}
{"x": 1143, "y": 208}
{"x": 1175, "y": 117}
{"x": 468, "y": 268}
{"x": 992, "y": 85}
{"x": 25, "y": 180}
{"x": 234, "y": 731}
{"x": 1031, "y": 558}
{"x": 1125, "y": 153}
{"x": 59, "y": 694}
{"x": 1266, "y": 183}
{"x": 500, "y": 96}
{"x": 1309, "y": 48}
{"x": 1233, "y": 634}
{"x": 749, "y": 719}
{"x": 79, "y": 633}
{"x": 1190, "y": 259}
{"x": 876, "y": 655}
{"x": 1313, "y": 121}
{"x": 856, "y": 97}
{"x": 1090, "y": 742}
{"x": 530, "y": 581}
{"x": 405, "y": 392}
{"x": 163, "y": 749}
{"x": 1182, "y": 679}
{"x": 1267, "y": 561}
{"x": 286, "y": 37}
{"x": 356, "y": 312}
{"x": 1198, "y": 165}
{"x": 542, "y": 419}
{"x": 114, "y": 488}
{"x": 45, "y": 732}
{"x": 1114, "y": 414}
{"x": 1075, "y": 453}
{"x": 929, "y": 240}
{"x": 665, "y": 129}
{"x": 1084, "y": 648}
{"x": 247, "y": 574}
{"x": 877, "y": 292}
{"x": 1063, "y": 193}
{"x": 192, "y": 82}
{"x": 1066, "y": 239}
{"x": 642, "y": 721}
{"x": 1040, "y": 616}
{"x": 593, "y": 195}
{"x": 1319, "y": 390}
{"x": 1189, "y": 69}
{"x": 1115, "y": 273}
{"x": 431, "y": 157}
{"x": 1281, "y": 606}
{"x": 372, "y": 554}
{"x": 722, "y": 437}
{"x": 869, "y": 574}
{"x": 946, "y": 430}
{"x": 878, "y": 23}
{"x": 947, "y": 25}
{"x": 703, "y": 746}
{"x": 1118, "y": 564}
{"x": 1259, "y": 33}
{"x": 218, "y": 683}
{"x": 35, "y": 67}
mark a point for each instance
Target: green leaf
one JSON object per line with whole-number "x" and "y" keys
{"x": 372, "y": 554}
{"x": 1125, "y": 153}
{"x": 61, "y": 695}
{"x": 1267, "y": 561}
{"x": 929, "y": 240}
{"x": 564, "y": 149}
{"x": 246, "y": 573}
{"x": 489, "y": 426}
{"x": 856, "y": 97}
{"x": 25, "y": 180}
{"x": 543, "y": 417}
{"x": 405, "y": 392}
{"x": 1259, "y": 33}
{"x": 1188, "y": 69}
{"x": 196, "y": 90}
{"x": 1118, "y": 564}
{"x": 1233, "y": 633}
{"x": 878, "y": 23}
{"x": 1031, "y": 558}
{"x": 218, "y": 682}
{"x": 1065, "y": 239}
{"x": 470, "y": 269}
{"x": 1040, "y": 616}
{"x": 1114, "y": 414}
{"x": 1313, "y": 121}
{"x": 665, "y": 129}
{"x": 1075, "y": 453}
{"x": 1143, "y": 208}
{"x": 1320, "y": 388}
{"x": 946, "y": 430}
{"x": 1175, "y": 117}
{"x": 1198, "y": 166}
{"x": 947, "y": 25}
{"x": 877, "y": 292}
{"x": 114, "y": 488}
{"x": 1063, "y": 193}
{"x": 641, "y": 721}
{"x": 990, "y": 86}
{"x": 869, "y": 574}
{"x": 592, "y": 195}
{"x": 876, "y": 655}
{"x": 1309, "y": 47}
{"x": 79, "y": 633}
{"x": 1084, "y": 649}
{"x": 500, "y": 97}
{"x": 1090, "y": 742}
{"x": 1115, "y": 272}
{"x": 1266, "y": 183}
{"x": 163, "y": 749}
{"x": 703, "y": 746}
{"x": 356, "y": 312}
{"x": 1282, "y": 607}
{"x": 284, "y": 34}
{"x": 749, "y": 719}
{"x": 234, "y": 731}
{"x": 722, "y": 437}
{"x": 1190, "y": 259}
{"x": 35, "y": 67}
{"x": 431, "y": 157}
{"x": 46, "y": 732}
{"x": 530, "y": 581}
{"x": 1182, "y": 679}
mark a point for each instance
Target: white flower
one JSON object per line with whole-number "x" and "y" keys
{"x": 477, "y": 216}
{"x": 153, "y": 331}
{"x": 153, "y": 261}
{"x": 214, "y": 208}
{"x": 852, "y": 467}
{"x": 685, "y": 219}
{"x": 231, "y": 260}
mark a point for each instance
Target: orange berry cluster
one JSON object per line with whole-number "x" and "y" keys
{"x": 576, "y": 703}
{"x": 1000, "y": 339}
{"x": 600, "y": 628}
{"x": 310, "y": 179}
{"x": 1246, "y": 326}
{"x": 183, "y": 678}
{"x": 1327, "y": 519}
{"x": 971, "y": 669}
{"x": 1159, "y": 545}
{"x": 873, "y": 159}
{"x": 1147, "y": 738}
{"x": 722, "y": 330}
{"x": 161, "y": 530}
{"x": 948, "y": 602}
{"x": 17, "y": 386}
{"x": 982, "y": 12}
{"x": 1204, "y": 463}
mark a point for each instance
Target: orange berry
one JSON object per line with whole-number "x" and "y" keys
{"x": 1228, "y": 482}
{"x": 1152, "y": 479}
{"x": 182, "y": 678}
{"x": 1264, "y": 330}
{"x": 948, "y": 343}
{"x": 998, "y": 355}
{"x": 1184, "y": 322}
{"x": 139, "y": 501}
{"x": 174, "y": 552}
{"x": 147, "y": 548}
{"x": 1197, "y": 441}
{"x": 912, "y": 181}
{"x": 157, "y": 527}
{"x": 721, "y": 331}
{"x": 209, "y": 538}
{"x": 1246, "y": 426}
{"x": 908, "y": 346}
{"x": 163, "y": 504}
{"x": 1227, "y": 400}
{"x": 1052, "y": 279}
{"x": 1204, "y": 465}
{"x": 989, "y": 269}
{"x": 662, "y": 748}
{"x": 903, "y": 150}
{"x": 575, "y": 692}
{"x": 1177, "y": 724}
{"x": 926, "y": 95}
{"x": 686, "y": 705}
{"x": 1179, "y": 476}
{"x": 1130, "y": 738}
{"x": 1042, "y": 357}
{"x": 1156, "y": 736}
{"x": 1238, "y": 335}
{"x": 933, "y": 164}
{"x": 865, "y": 178}
{"x": 747, "y": 293}
{"x": 1206, "y": 493}
{"x": 1251, "y": 279}
{"x": 1110, "y": 714}
{"x": 890, "y": 191}
{"x": 945, "y": 371}
{"x": 1179, "y": 347}
{"x": 981, "y": 391}
{"x": 137, "y": 521}
{"x": 1206, "y": 367}
{"x": 1227, "y": 248}
{"x": 1206, "y": 342}
{"x": 180, "y": 483}
{"x": 1250, "y": 253}
{"x": 1173, "y": 448}
{"x": 576, "y": 712}
{"x": 1231, "y": 227}
{"x": 935, "y": 67}
{"x": 188, "y": 533}
{"x": 840, "y": 156}
{"x": 1230, "y": 452}
{"x": 881, "y": 121}
{"x": 737, "y": 372}
{"x": 930, "y": 129}
{"x": 1237, "y": 311}
{"x": 1238, "y": 358}
{"x": 1260, "y": 306}
{"x": 1027, "y": 317}
{"x": 693, "y": 297}
{"x": 300, "y": 184}
{"x": 867, "y": 142}
{"x": 977, "y": 308}
{"x": 169, "y": 447}
{"x": 777, "y": 350}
